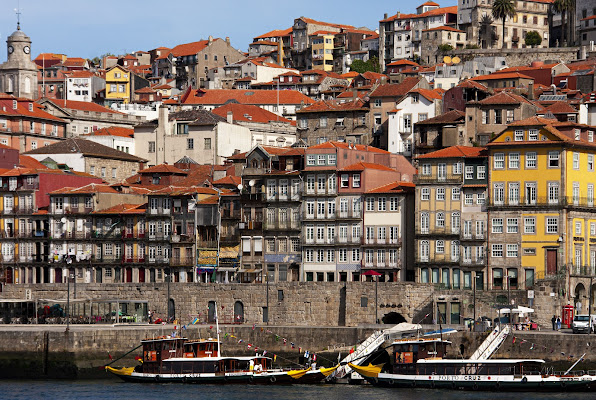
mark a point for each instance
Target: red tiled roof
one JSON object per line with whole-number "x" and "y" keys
{"x": 248, "y": 113}
{"x": 330, "y": 105}
{"x": 124, "y": 209}
{"x": 163, "y": 169}
{"x": 228, "y": 180}
{"x": 532, "y": 121}
{"x": 468, "y": 84}
{"x": 80, "y": 74}
{"x": 443, "y": 28}
{"x": 312, "y": 21}
{"x": 361, "y": 166}
{"x": 429, "y": 3}
{"x": 256, "y": 97}
{"x": 113, "y": 131}
{"x": 30, "y": 162}
{"x": 403, "y": 62}
{"x": 82, "y": 106}
{"x": 560, "y": 107}
{"x": 189, "y": 49}
{"x": 455, "y": 152}
{"x": 90, "y": 188}
{"x": 495, "y": 76}
{"x": 393, "y": 187}
{"x": 6, "y": 108}
{"x": 351, "y": 74}
{"x": 526, "y": 68}
{"x": 344, "y": 145}
{"x": 448, "y": 117}
{"x": 430, "y": 13}
{"x": 396, "y": 90}
{"x": 430, "y": 95}
{"x": 275, "y": 33}
{"x": 504, "y": 98}
{"x": 588, "y": 18}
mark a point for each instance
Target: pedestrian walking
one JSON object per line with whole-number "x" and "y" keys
{"x": 150, "y": 316}
{"x": 558, "y": 323}
{"x": 554, "y": 321}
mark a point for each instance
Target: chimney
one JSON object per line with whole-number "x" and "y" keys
{"x": 210, "y": 39}
{"x": 162, "y": 118}
{"x": 531, "y": 90}
{"x": 385, "y": 16}
{"x": 230, "y": 117}
{"x": 227, "y": 39}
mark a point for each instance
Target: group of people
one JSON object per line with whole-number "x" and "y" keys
{"x": 556, "y": 320}
{"x": 151, "y": 316}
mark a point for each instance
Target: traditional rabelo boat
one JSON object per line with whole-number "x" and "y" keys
{"x": 177, "y": 359}
{"x": 418, "y": 362}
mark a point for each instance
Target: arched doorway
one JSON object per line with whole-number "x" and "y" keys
{"x": 238, "y": 312}
{"x": 211, "y": 312}
{"x": 172, "y": 309}
{"x": 579, "y": 294}
{"x": 393, "y": 318}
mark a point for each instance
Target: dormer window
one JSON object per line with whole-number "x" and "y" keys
{"x": 14, "y": 104}
{"x": 31, "y": 107}
{"x": 577, "y": 134}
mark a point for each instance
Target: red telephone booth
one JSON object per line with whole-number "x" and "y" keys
{"x": 567, "y": 316}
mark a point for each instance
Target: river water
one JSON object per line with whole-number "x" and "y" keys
{"x": 109, "y": 389}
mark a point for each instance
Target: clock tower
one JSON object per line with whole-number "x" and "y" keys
{"x": 18, "y": 75}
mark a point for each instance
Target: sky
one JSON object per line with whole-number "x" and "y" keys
{"x": 90, "y": 28}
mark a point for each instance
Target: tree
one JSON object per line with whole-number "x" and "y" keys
{"x": 565, "y": 7}
{"x": 362, "y": 66}
{"x": 485, "y": 38}
{"x": 503, "y": 9}
{"x": 533, "y": 38}
{"x": 445, "y": 47}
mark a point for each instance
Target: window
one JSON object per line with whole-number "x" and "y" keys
{"x": 497, "y": 250}
{"x": 485, "y": 119}
{"x": 114, "y": 173}
{"x": 480, "y": 198}
{"x": 511, "y": 225}
{"x": 151, "y": 147}
{"x": 424, "y": 222}
{"x": 499, "y": 161}
{"x": 553, "y": 159}
{"x": 103, "y": 172}
{"x": 425, "y": 194}
{"x": 498, "y": 193}
{"x": 481, "y": 172}
{"x": 455, "y": 193}
{"x": 553, "y": 192}
{"x": 512, "y": 250}
{"x": 440, "y": 219}
{"x": 530, "y": 225}
{"x": 578, "y": 228}
{"x": 469, "y": 199}
{"x": 356, "y": 180}
{"x": 533, "y": 134}
{"x": 513, "y": 160}
{"x": 393, "y": 204}
{"x": 345, "y": 180}
{"x": 577, "y": 135}
{"x": 370, "y": 204}
{"x": 590, "y": 136}
{"x": 190, "y": 144}
{"x": 321, "y": 159}
{"x": 498, "y": 116}
{"x": 355, "y": 255}
{"x": 457, "y": 168}
{"x": 531, "y": 159}
{"x": 513, "y": 193}
{"x": 552, "y": 225}
{"x": 424, "y": 250}
{"x": 497, "y": 225}
{"x": 576, "y": 161}
{"x": 440, "y": 246}
{"x": 426, "y": 169}
{"x": 440, "y": 193}
{"x": 591, "y": 162}
{"x": 323, "y": 122}
{"x": 469, "y": 172}
{"x": 207, "y": 143}
{"x": 382, "y": 204}
{"x": 332, "y": 159}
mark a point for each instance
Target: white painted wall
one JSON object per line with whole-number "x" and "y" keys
{"x": 397, "y": 135}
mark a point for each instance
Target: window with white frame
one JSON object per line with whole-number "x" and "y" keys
{"x": 370, "y": 204}
{"x": 497, "y": 225}
{"x": 345, "y": 180}
{"x": 533, "y": 134}
{"x": 499, "y": 161}
{"x": 310, "y": 160}
{"x": 590, "y": 195}
{"x": 530, "y": 225}
{"x": 355, "y": 255}
{"x": 578, "y": 228}
{"x": 519, "y": 135}
{"x": 480, "y": 198}
{"x": 590, "y": 136}
{"x": 342, "y": 255}
{"x": 575, "y": 160}
{"x": 513, "y": 160}
{"x": 440, "y": 193}
{"x": 440, "y": 219}
{"x": 382, "y": 204}
{"x": 553, "y": 159}
{"x": 425, "y": 194}
{"x": 468, "y": 199}
{"x": 393, "y": 204}
{"x": 590, "y": 162}
{"x": 426, "y": 169}
{"x": 424, "y": 250}
{"x": 481, "y": 172}
{"x": 512, "y": 225}
{"x": 592, "y": 229}
{"x": 577, "y": 135}
{"x": 552, "y": 225}
{"x": 512, "y": 250}
{"x": 498, "y": 193}
{"x": 356, "y": 180}
{"x": 531, "y": 158}
{"x": 440, "y": 246}
{"x": 457, "y": 168}
{"x": 424, "y": 222}
{"x": 497, "y": 250}
{"x": 455, "y": 193}
{"x": 469, "y": 172}
{"x": 513, "y": 197}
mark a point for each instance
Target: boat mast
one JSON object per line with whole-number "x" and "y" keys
{"x": 217, "y": 328}
{"x": 573, "y": 366}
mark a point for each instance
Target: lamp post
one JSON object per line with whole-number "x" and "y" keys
{"x": 168, "y": 277}
{"x": 70, "y": 276}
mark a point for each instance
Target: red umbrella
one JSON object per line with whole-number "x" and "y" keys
{"x": 371, "y": 272}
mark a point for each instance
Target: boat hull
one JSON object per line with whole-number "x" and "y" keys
{"x": 263, "y": 378}
{"x": 486, "y": 383}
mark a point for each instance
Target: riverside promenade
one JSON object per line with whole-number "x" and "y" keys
{"x": 50, "y": 351}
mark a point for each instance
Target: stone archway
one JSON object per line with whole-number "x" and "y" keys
{"x": 238, "y": 312}
{"x": 579, "y": 295}
{"x": 393, "y": 318}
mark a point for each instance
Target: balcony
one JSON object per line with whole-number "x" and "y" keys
{"x": 250, "y": 225}
{"x": 351, "y": 214}
{"x": 281, "y": 225}
{"x": 24, "y": 210}
{"x": 182, "y": 238}
{"x": 542, "y": 201}
{"x": 381, "y": 242}
{"x": 438, "y": 230}
{"x": 113, "y": 234}
{"x": 182, "y": 261}
{"x": 438, "y": 258}
{"x": 455, "y": 179}
{"x": 78, "y": 235}
{"x": 158, "y": 236}
{"x": 469, "y": 237}
{"x": 230, "y": 214}
{"x": 473, "y": 262}
{"x": 582, "y": 270}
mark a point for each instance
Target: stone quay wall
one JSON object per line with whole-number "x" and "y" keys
{"x": 305, "y": 303}
{"x": 516, "y": 57}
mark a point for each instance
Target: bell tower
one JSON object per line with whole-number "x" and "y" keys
{"x": 18, "y": 75}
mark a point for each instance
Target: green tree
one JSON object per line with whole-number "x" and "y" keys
{"x": 503, "y": 9}
{"x": 363, "y": 66}
{"x": 565, "y": 7}
{"x": 533, "y": 38}
{"x": 485, "y": 37}
{"x": 445, "y": 47}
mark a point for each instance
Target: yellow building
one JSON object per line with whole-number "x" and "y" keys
{"x": 322, "y": 50}
{"x": 542, "y": 220}
{"x": 118, "y": 82}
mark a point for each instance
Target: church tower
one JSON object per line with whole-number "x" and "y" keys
{"x": 18, "y": 75}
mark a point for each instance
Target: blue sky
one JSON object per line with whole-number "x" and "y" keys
{"x": 89, "y": 28}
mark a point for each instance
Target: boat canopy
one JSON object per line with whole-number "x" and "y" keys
{"x": 468, "y": 361}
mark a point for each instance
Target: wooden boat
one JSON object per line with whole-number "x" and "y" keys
{"x": 419, "y": 362}
{"x": 169, "y": 359}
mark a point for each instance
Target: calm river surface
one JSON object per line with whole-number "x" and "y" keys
{"x": 107, "y": 389}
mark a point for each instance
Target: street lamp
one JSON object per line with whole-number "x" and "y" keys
{"x": 168, "y": 277}
{"x": 70, "y": 276}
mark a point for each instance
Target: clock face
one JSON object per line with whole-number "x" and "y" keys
{"x": 10, "y": 49}
{"x": 26, "y": 49}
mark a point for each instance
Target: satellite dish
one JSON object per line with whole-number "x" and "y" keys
{"x": 63, "y": 220}
{"x": 240, "y": 187}
{"x": 456, "y": 60}
{"x": 447, "y": 60}
{"x": 251, "y": 183}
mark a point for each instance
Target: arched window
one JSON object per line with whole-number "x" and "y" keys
{"x": 211, "y": 312}
{"x": 238, "y": 312}
{"x": 424, "y": 250}
{"x": 424, "y": 275}
{"x": 10, "y": 84}
{"x": 440, "y": 219}
{"x": 455, "y": 222}
{"x": 424, "y": 222}
{"x": 27, "y": 84}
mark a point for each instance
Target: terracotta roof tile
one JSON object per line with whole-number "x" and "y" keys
{"x": 331, "y": 105}
{"x": 248, "y": 113}
{"x": 361, "y": 166}
{"x": 449, "y": 117}
{"x": 396, "y": 90}
{"x": 255, "y": 97}
{"x": 6, "y": 109}
{"x": 430, "y": 95}
{"x": 496, "y": 76}
{"x": 87, "y": 148}
{"x": 124, "y": 209}
{"x": 275, "y": 33}
{"x": 82, "y": 106}
{"x": 189, "y": 49}
{"x": 403, "y": 62}
{"x": 228, "y": 180}
{"x": 90, "y": 188}
{"x": 163, "y": 169}
{"x": 456, "y": 152}
{"x": 393, "y": 187}
{"x": 113, "y": 131}
{"x": 504, "y": 98}
{"x": 344, "y": 145}
{"x": 443, "y": 28}
{"x": 560, "y": 107}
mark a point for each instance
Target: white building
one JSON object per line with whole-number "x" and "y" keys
{"x": 83, "y": 85}
{"x": 418, "y": 105}
{"x": 118, "y": 138}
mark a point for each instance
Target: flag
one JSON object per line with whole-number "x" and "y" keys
{"x": 292, "y": 344}
{"x": 306, "y": 354}
{"x": 233, "y": 337}
{"x": 253, "y": 327}
{"x": 249, "y": 346}
{"x": 109, "y": 355}
{"x": 275, "y": 357}
{"x": 194, "y": 321}
{"x": 513, "y": 341}
{"x": 184, "y": 327}
{"x": 256, "y": 349}
{"x": 210, "y": 326}
{"x": 285, "y": 341}
{"x": 276, "y": 338}
{"x": 299, "y": 349}
{"x": 226, "y": 335}
{"x": 264, "y": 352}
{"x": 240, "y": 341}
{"x": 314, "y": 357}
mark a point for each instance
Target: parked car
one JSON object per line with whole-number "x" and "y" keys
{"x": 583, "y": 323}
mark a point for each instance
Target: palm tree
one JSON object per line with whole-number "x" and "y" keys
{"x": 502, "y": 9}
{"x": 485, "y": 37}
{"x": 564, "y": 7}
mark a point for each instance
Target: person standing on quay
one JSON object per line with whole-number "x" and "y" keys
{"x": 558, "y": 323}
{"x": 554, "y": 321}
